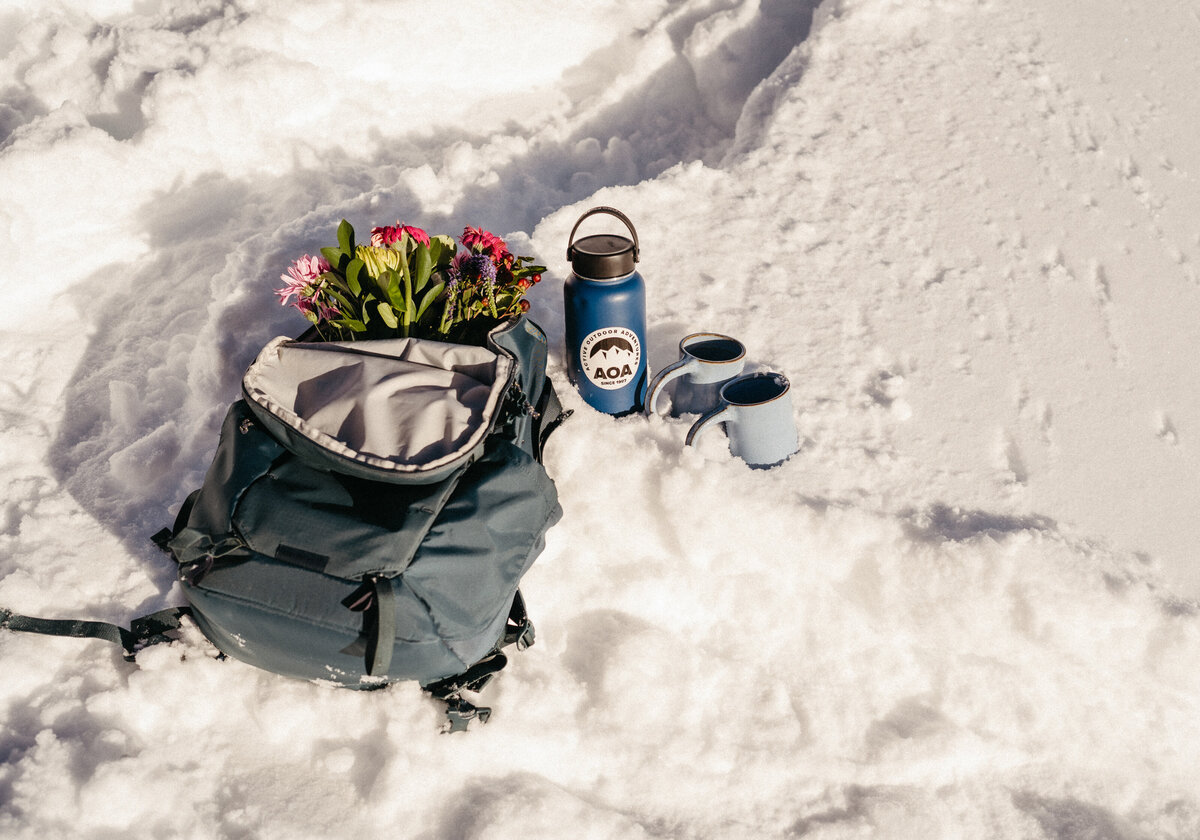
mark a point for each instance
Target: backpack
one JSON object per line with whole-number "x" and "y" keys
{"x": 368, "y": 515}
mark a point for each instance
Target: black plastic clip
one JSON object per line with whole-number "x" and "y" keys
{"x": 460, "y": 712}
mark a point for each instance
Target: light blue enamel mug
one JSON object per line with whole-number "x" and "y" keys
{"x": 757, "y": 413}
{"x": 706, "y": 361}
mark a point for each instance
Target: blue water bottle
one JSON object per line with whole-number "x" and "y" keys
{"x": 605, "y": 307}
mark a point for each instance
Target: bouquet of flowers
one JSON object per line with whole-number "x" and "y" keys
{"x": 408, "y": 283}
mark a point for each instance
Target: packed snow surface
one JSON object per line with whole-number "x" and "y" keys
{"x": 966, "y": 230}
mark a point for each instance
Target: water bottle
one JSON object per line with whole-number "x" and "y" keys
{"x": 605, "y": 307}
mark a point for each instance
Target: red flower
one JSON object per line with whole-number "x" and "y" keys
{"x": 484, "y": 242}
{"x": 416, "y": 233}
{"x": 391, "y": 234}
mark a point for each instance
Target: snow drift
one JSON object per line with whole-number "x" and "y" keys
{"x": 965, "y": 230}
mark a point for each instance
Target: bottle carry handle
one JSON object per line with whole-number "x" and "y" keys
{"x": 612, "y": 211}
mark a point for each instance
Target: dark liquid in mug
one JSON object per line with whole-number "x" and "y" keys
{"x": 755, "y": 389}
{"x": 715, "y": 350}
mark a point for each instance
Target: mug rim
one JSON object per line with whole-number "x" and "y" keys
{"x": 687, "y": 338}
{"x": 779, "y": 379}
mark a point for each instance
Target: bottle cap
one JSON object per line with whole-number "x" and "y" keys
{"x": 606, "y": 255}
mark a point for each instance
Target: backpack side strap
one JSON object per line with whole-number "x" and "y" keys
{"x": 547, "y": 417}
{"x": 460, "y": 711}
{"x": 376, "y": 600}
{"x": 181, "y": 519}
{"x": 142, "y": 632}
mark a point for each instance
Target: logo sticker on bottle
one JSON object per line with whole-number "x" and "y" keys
{"x": 610, "y": 357}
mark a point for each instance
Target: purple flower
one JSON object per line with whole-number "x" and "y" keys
{"x": 481, "y": 266}
{"x": 452, "y": 280}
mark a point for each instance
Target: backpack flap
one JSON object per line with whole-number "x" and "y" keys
{"x": 402, "y": 411}
{"x": 334, "y": 523}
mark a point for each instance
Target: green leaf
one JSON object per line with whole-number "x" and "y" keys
{"x": 345, "y": 305}
{"x": 336, "y": 258}
{"x": 430, "y": 296}
{"x": 422, "y": 267}
{"x": 333, "y": 280}
{"x": 352, "y": 324}
{"x": 442, "y": 249}
{"x": 391, "y": 290}
{"x": 354, "y": 270}
{"x": 405, "y": 273}
{"x": 388, "y": 316}
{"x": 345, "y": 235}
{"x": 405, "y": 307}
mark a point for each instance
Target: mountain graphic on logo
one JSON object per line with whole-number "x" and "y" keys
{"x": 613, "y": 343}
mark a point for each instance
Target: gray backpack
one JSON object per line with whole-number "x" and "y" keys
{"x": 369, "y": 513}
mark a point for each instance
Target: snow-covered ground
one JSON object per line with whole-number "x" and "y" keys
{"x": 967, "y": 231}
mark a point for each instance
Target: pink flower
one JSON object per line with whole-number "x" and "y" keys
{"x": 391, "y": 234}
{"x": 303, "y": 273}
{"x": 303, "y": 281}
{"x": 308, "y": 268}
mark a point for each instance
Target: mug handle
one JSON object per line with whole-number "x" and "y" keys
{"x": 676, "y": 369}
{"x": 708, "y": 421}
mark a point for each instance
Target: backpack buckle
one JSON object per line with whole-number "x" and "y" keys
{"x": 460, "y": 712}
{"x": 525, "y": 635}
{"x": 519, "y": 633}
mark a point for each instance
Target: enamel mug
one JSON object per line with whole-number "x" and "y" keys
{"x": 706, "y": 362}
{"x": 757, "y": 413}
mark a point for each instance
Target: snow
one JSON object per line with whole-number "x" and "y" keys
{"x": 965, "y": 230}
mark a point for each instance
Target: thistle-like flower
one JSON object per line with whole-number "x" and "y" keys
{"x": 481, "y": 266}
{"x": 453, "y": 279}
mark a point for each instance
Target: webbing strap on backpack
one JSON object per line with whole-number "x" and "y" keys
{"x": 376, "y": 599}
{"x": 142, "y": 632}
{"x": 185, "y": 510}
